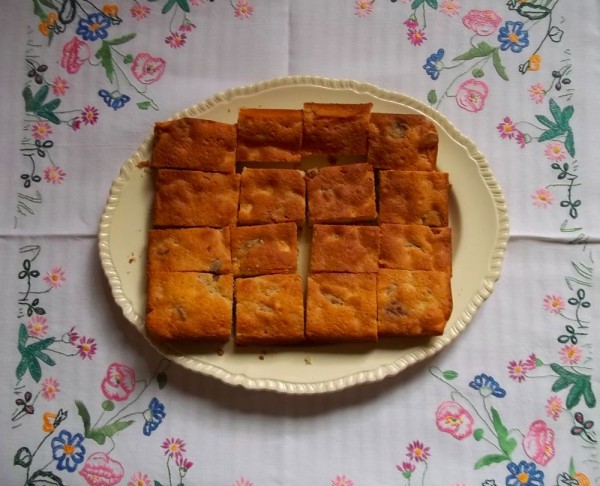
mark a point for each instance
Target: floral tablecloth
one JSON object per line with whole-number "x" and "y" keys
{"x": 513, "y": 401}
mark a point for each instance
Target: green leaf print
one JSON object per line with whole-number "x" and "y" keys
{"x": 483, "y": 49}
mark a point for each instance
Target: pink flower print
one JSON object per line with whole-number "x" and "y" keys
{"x": 187, "y": 26}
{"x": 570, "y": 354}
{"x": 416, "y": 36}
{"x": 450, "y": 8}
{"x": 417, "y": 451}
{"x": 176, "y": 40}
{"x": 195, "y": 3}
{"x": 554, "y": 406}
{"x": 50, "y": 387}
{"x": 537, "y": 93}
{"x": 507, "y": 128}
{"x": 76, "y": 124}
{"x": 407, "y": 468}
{"x": 101, "y": 470}
{"x": 41, "y": 130}
{"x": 89, "y": 115}
{"x": 173, "y": 446}
{"x": 183, "y": 463}
{"x": 243, "y": 9}
{"x": 411, "y": 23}
{"x": 520, "y": 139}
{"x": 140, "y": 479}
{"x": 452, "y": 418}
{"x": 118, "y": 383}
{"x": 482, "y": 22}
{"x": 531, "y": 362}
{"x": 53, "y": 174}
{"x": 74, "y": 55}
{"x": 36, "y": 327}
{"x": 542, "y": 198}
{"x": 73, "y": 335}
{"x": 55, "y": 277}
{"x": 555, "y": 151}
{"x": 471, "y": 95}
{"x": 363, "y": 8}
{"x": 342, "y": 481}
{"x": 139, "y": 12}
{"x": 243, "y": 482}
{"x": 517, "y": 370}
{"x": 147, "y": 69}
{"x": 538, "y": 442}
{"x": 554, "y": 304}
{"x": 59, "y": 86}
{"x": 86, "y": 348}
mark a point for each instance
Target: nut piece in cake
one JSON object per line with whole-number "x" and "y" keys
{"x": 192, "y": 198}
{"x": 405, "y": 142}
{"x": 272, "y": 196}
{"x": 189, "y": 306}
{"x": 269, "y": 310}
{"x": 190, "y": 250}
{"x": 266, "y": 135}
{"x": 341, "y": 194}
{"x": 190, "y": 143}
{"x": 408, "y": 197}
{"x": 415, "y": 247}
{"x": 341, "y": 307}
{"x": 413, "y": 303}
{"x": 337, "y": 248}
{"x": 335, "y": 129}
{"x": 264, "y": 249}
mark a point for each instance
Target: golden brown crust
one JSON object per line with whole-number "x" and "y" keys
{"x": 269, "y": 310}
{"x": 341, "y": 194}
{"x": 191, "y": 143}
{"x": 189, "y": 306}
{"x": 335, "y": 129}
{"x": 264, "y": 249}
{"x": 337, "y": 248}
{"x": 190, "y": 250}
{"x": 404, "y": 142}
{"x": 341, "y": 307}
{"x": 186, "y": 198}
{"x": 415, "y": 247}
{"x": 410, "y": 197}
{"x": 272, "y": 196}
{"x": 413, "y": 303}
{"x": 269, "y": 135}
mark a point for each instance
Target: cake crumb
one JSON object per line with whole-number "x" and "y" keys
{"x": 307, "y": 360}
{"x": 143, "y": 164}
{"x": 261, "y": 357}
{"x": 132, "y": 258}
{"x": 220, "y": 351}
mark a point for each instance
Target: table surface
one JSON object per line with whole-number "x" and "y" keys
{"x": 512, "y": 401}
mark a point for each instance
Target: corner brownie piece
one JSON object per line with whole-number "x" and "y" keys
{"x": 341, "y": 194}
{"x": 269, "y": 135}
{"x": 264, "y": 249}
{"x": 415, "y": 247}
{"x": 189, "y": 306}
{"x": 272, "y": 196}
{"x": 190, "y": 250}
{"x": 335, "y": 129}
{"x": 410, "y": 197}
{"x": 404, "y": 142}
{"x": 341, "y": 307}
{"x": 269, "y": 310}
{"x": 338, "y": 248}
{"x": 190, "y": 143}
{"x": 413, "y": 303}
{"x": 191, "y": 198}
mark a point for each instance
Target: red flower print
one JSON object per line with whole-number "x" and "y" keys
{"x": 450, "y": 8}
{"x": 570, "y": 354}
{"x": 417, "y": 451}
{"x": 50, "y": 387}
{"x": 55, "y": 277}
{"x": 195, "y": 3}
{"x": 41, "y": 130}
{"x": 140, "y": 479}
{"x": 243, "y": 9}
{"x": 72, "y": 335}
{"x": 507, "y": 128}
{"x": 542, "y": 198}
{"x": 537, "y": 93}
{"x": 36, "y": 327}
{"x": 147, "y": 69}
{"x": 86, "y": 348}
{"x": 118, "y": 383}
{"x": 187, "y": 26}
{"x": 554, "y": 304}
{"x": 471, "y": 95}
{"x": 342, "y": 481}
{"x": 554, "y": 406}
{"x": 538, "y": 442}
{"x": 183, "y": 463}
{"x": 243, "y": 482}
{"x": 76, "y": 124}
{"x": 452, "y": 418}
{"x": 59, "y": 86}
{"x": 411, "y": 23}
{"x": 362, "y": 8}
{"x": 53, "y": 174}
{"x": 101, "y": 470}
{"x": 89, "y": 115}
{"x": 139, "y": 12}
{"x": 74, "y": 55}
{"x": 531, "y": 362}
{"x": 416, "y": 36}
{"x": 176, "y": 40}
{"x": 555, "y": 151}
{"x": 482, "y": 22}
{"x": 173, "y": 446}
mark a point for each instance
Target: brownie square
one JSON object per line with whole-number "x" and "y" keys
{"x": 269, "y": 135}
{"x": 191, "y": 198}
{"x": 403, "y": 142}
{"x": 415, "y": 247}
{"x": 264, "y": 249}
{"x": 413, "y": 303}
{"x": 341, "y": 307}
{"x": 409, "y": 197}
{"x": 338, "y": 248}
{"x": 189, "y": 306}
{"x": 190, "y": 143}
{"x": 335, "y": 129}
{"x": 269, "y": 310}
{"x": 341, "y": 194}
{"x": 190, "y": 250}
{"x": 272, "y": 196}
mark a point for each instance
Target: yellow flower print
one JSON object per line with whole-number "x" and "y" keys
{"x": 535, "y": 62}
{"x": 47, "y": 25}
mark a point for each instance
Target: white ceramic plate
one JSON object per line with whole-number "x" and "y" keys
{"x": 478, "y": 218}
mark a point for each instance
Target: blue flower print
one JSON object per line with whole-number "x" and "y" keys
{"x": 68, "y": 450}
{"x": 524, "y": 474}
{"x": 94, "y": 27}
{"x": 513, "y": 36}
{"x": 487, "y": 386}
{"x": 432, "y": 68}
{"x": 113, "y": 100}
{"x": 153, "y": 416}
